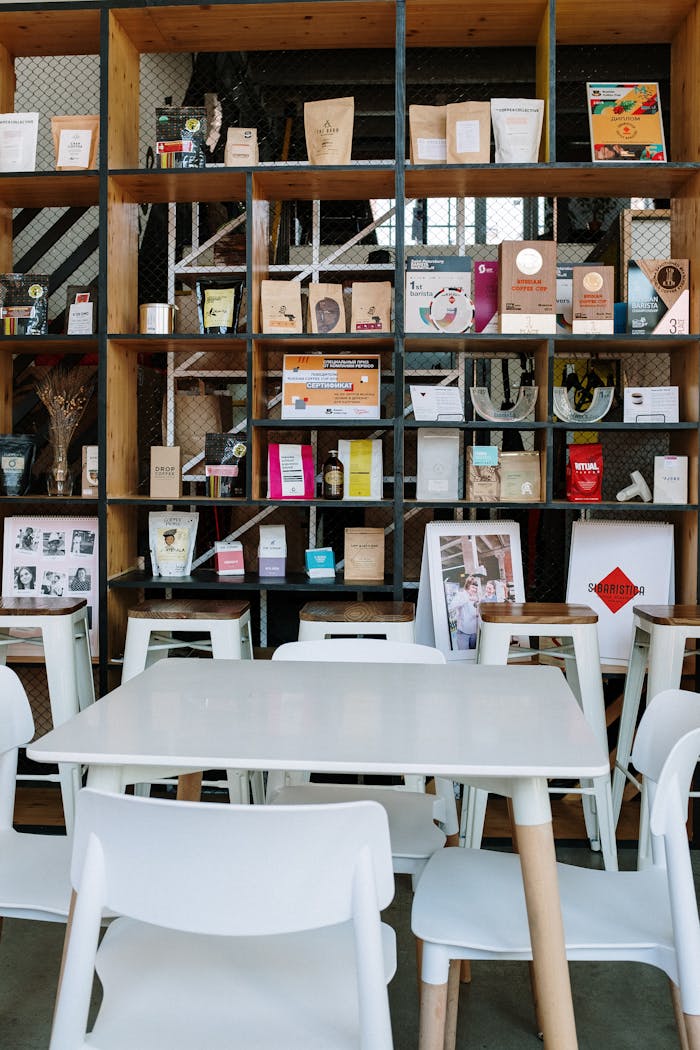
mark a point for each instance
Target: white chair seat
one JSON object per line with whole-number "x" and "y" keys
{"x": 476, "y": 897}
{"x": 413, "y": 834}
{"x": 34, "y": 876}
{"x": 236, "y": 984}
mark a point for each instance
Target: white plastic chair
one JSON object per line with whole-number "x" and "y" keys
{"x": 469, "y": 903}
{"x": 229, "y": 918}
{"x": 34, "y": 869}
{"x": 412, "y": 812}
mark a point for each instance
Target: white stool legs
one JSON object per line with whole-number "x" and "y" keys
{"x": 585, "y": 679}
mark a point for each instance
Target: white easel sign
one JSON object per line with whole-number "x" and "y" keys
{"x": 465, "y": 564}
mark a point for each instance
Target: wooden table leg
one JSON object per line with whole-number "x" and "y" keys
{"x": 532, "y": 815}
{"x": 189, "y": 787}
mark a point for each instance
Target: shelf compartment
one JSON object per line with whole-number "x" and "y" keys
{"x": 586, "y": 22}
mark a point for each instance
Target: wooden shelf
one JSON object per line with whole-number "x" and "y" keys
{"x": 51, "y": 30}
{"x": 49, "y": 344}
{"x": 181, "y": 186}
{"x": 61, "y": 189}
{"x": 472, "y": 23}
{"x": 207, "y": 579}
{"x": 216, "y": 26}
{"x": 308, "y": 182}
{"x": 586, "y": 22}
{"x": 553, "y": 180}
{"x": 182, "y": 342}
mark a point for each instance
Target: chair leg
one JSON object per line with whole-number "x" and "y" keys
{"x": 606, "y": 825}
{"x": 692, "y": 1030}
{"x": 679, "y": 1015}
{"x": 433, "y": 1008}
{"x": 452, "y": 1009}
{"x": 628, "y": 717}
{"x": 473, "y": 816}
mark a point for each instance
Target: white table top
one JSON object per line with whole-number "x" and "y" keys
{"x": 454, "y": 719}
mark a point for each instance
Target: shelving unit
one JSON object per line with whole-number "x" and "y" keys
{"x": 121, "y": 32}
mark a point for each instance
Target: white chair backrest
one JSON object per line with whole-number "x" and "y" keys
{"x": 668, "y": 717}
{"x": 360, "y": 650}
{"x": 231, "y": 870}
{"x": 16, "y": 730}
{"x": 666, "y": 751}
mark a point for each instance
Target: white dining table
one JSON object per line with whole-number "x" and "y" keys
{"x": 454, "y": 720}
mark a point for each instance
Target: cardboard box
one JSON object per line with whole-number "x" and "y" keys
{"x": 650, "y": 404}
{"x": 166, "y": 474}
{"x": 670, "y": 479}
{"x": 228, "y": 558}
{"x": 438, "y": 465}
{"x": 485, "y": 296}
{"x": 527, "y": 287}
{"x": 90, "y": 479}
{"x": 364, "y": 555}
{"x": 272, "y": 551}
{"x": 320, "y": 563}
{"x": 438, "y": 294}
{"x": 520, "y": 477}
{"x": 316, "y": 387}
{"x": 593, "y": 294}
{"x": 564, "y": 294}
{"x": 483, "y": 474}
{"x": 658, "y": 299}
{"x": 363, "y": 470}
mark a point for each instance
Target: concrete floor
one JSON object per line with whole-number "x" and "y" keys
{"x": 617, "y": 1006}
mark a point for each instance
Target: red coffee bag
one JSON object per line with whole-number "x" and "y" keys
{"x": 584, "y": 473}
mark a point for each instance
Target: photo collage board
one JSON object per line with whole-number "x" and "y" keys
{"x": 52, "y": 557}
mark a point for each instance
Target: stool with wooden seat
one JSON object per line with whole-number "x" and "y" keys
{"x": 149, "y": 637}
{"x": 63, "y": 623}
{"x": 394, "y": 621}
{"x": 660, "y": 634}
{"x": 500, "y": 621}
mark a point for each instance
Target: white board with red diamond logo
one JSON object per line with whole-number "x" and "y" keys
{"x": 615, "y": 565}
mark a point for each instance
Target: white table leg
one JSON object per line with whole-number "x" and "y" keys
{"x": 533, "y": 821}
{"x": 106, "y": 778}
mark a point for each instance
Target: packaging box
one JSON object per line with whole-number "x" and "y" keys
{"x": 520, "y": 477}
{"x": 438, "y": 294}
{"x": 485, "y": 296}
{"x": 290, "y": 471}
{"x": 564, "y": 293}
{"x": 625, "y": 122}
{"x": 670, "y": 479}
{"x": 527, "y": 287}
{"x": 320, "y": 563}
{"x": 438, "y": 465}
{"x": 166, "y": 475}
{"x": 89, "y": 484}
{"x": 363, "y": 470}
{"x": 316, "y": 387}
{"x": 650, "y": 404}
{"x": 364, "y": 554}
{"x": 228, "y": 558}
{"x": 272, "y": 551}
{"x": 658, "y": 299}
{"x": 483, "y": 474}
{"x": 593, "y": 294}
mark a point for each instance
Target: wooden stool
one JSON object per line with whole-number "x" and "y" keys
{"x": 392, "y": 620}
{"x": 228, "y": 625}
{"x": 499, "y": 622}
{"x": 660, "y": 633}
{"x": 63, "y": 623}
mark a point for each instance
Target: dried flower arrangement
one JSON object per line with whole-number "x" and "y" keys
{"x": 65, "y": 394}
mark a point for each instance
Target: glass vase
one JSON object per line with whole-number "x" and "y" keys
{"x": 60, "y": 480}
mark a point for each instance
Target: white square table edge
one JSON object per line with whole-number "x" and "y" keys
{"x": 453, "y": 720}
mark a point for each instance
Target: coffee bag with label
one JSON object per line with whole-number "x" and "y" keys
{"x": 326, "y": 309}
{"x": 328, "y": 125}
{"x": 280, "y": 307}
{"x": 241, "y": 147}
{"x": 468, "y": 132}
{"x": 584, "y": 473}
{"x": 371, "y": 307}
{"x": 428, "y": 127}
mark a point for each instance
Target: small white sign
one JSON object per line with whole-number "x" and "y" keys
{"x": 651, "y": 404}
{"x": 434, "y": 403}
